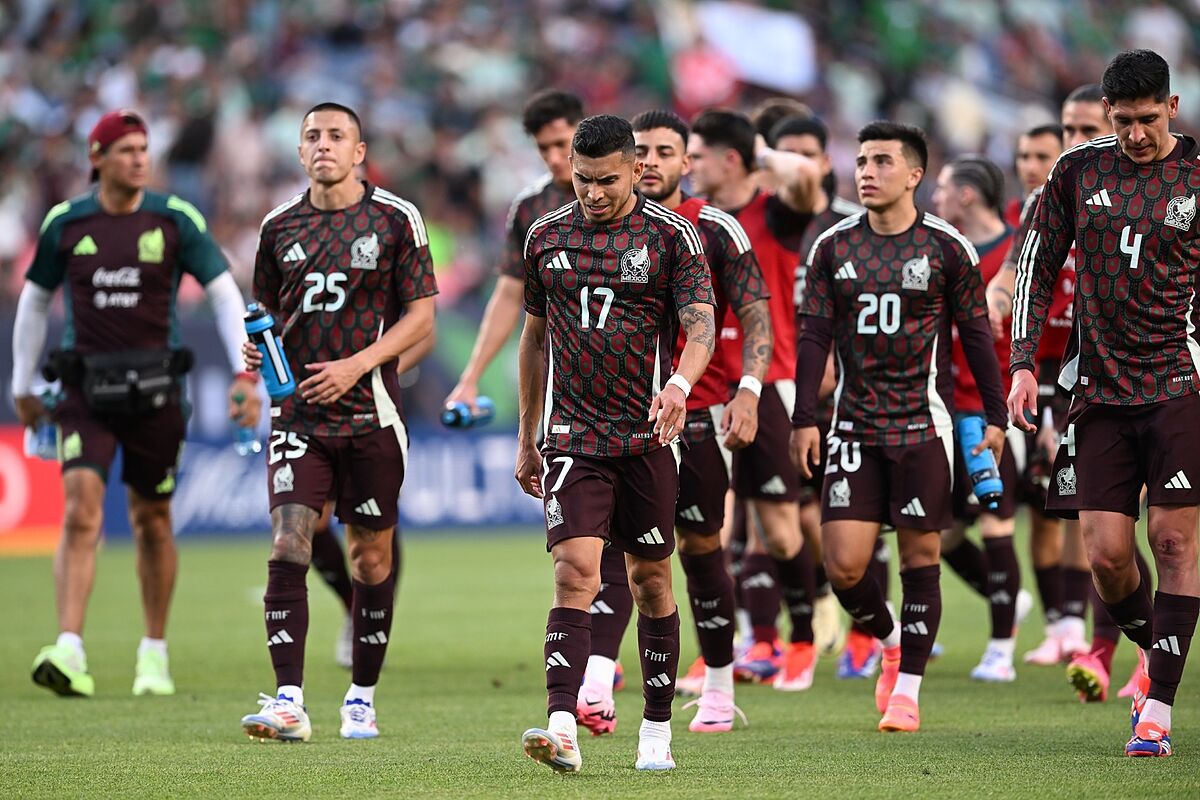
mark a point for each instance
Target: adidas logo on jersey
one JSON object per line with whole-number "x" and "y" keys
{"x": 280, "y": 638}
{"x": 653, "y": 537}
{"x": 1168, "y": 645}
{"x": 86, "y": 247}
{"x": 659, "y": 681}
{"x": 917, "y": 628}
{"x": 369, "y": 509}
{"x": 712, "y": 624}
{"x": 1178, "y": 481}
{"x": 295, "y": 253}
{"x": 774, "y": 486}
{"x": 1100, "y": 199}
{"x": 846, "y": 272}
{"x": 692, "y": 514}
{"x": 559, "y": 261}
{"x": 556, "y": 660}
{"x": 914, "y": 508}
{"x": 374, "y": 638}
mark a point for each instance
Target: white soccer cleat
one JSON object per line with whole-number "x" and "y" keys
{"x": 358, "y": 720}
{"x": 828, "y": 633}
{"x": 556, "y": 749}
{"x": 654, "y": 755}
{"x": 343, "y": 648}
{"x": 279, "y": 719}
{"x": 994, "y": 667}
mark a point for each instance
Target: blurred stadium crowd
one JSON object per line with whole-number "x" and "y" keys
{"x": 440, "y": 83}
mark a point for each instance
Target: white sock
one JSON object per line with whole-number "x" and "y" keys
{"x": 908, "y": 685}
{"x": 294, "y": 692}
{"x": 152, "y": 645}
{"x": 364, "y": 693}
{"x": 893, "y": 638}
{"x": 1003, "y": 646}
{"x": 1157, "y": 711}
{"x": 71, "y": 640}
{"x": 744, "y": 629}
{"x": 659, "y": 731}
{"x": 720, "y": 678}
{"x": 563, "y": 722}
{"x": 600, "y": 673}
{"x": 1071, "y": 628}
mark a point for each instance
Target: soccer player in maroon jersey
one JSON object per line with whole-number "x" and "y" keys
{"x": 726, "y": 160}
{"x": 886, "y": 285}
{"x": 606, "y": 276}
{"x": 969, "y": 194}
{"x": 119, "y": 252}
{"x": 345, "y": 269}
{"x": 1037, "y": 150}
{"x": 1129, "y": 202}
{"x": 718, "y": 421}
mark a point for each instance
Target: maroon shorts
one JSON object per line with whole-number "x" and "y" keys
{"x": 363, "y": 474}
{"x": 628, "y": 501}
{"x": 703, "y": 475}
{"x": 1110, "y": 452}
{"x": 151, "y": 444}
{"x": 763, "y": 470}
{"x": 966, "y": 506}
{"x": 908, "y": 487}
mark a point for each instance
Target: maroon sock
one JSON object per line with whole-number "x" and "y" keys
{"x": 866, "y": 606}
{"x": 568, "y": 642}
{"x": 1174, "y": 626}
{"x": 1050, "y": 589}
{"x": 1135, "y": 615}
{"x": 371, "y": 618}
{"x": 613, "y": 605}
{"x": 967, "y": 560}
{"x": 710, "y": 590}
{"x": 286, "y": 602}
{"x": 1104, "y": 649}
{"x": 920, "y": 615}
{"x": 1004, "y": 581}
{"x": 760, "y": 595}
{"x": 878, "y": 568}
{"x": 658, "y": 646}
{"x": 798, "y": 585}
{"x": 1077, "y": 588}
{"x": 823, "y": 585}
{"x": 329, "y": 560}
{"x": 1104, "y": 628}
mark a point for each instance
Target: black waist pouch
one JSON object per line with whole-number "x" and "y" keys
{"x": 126, "y": 381}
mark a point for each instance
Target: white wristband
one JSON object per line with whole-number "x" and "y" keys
{"x": 751, "y": 384}
{"x": 681, "y": 382}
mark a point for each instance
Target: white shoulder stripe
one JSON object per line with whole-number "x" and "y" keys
{"x": 939, "y": 224}
{"x": 532, "y": 190}
{"x": 841, "y": 205}
{"x": 1099, "y": 142}
{"x": 415, "y": 221}
{"x": 545, "y": 220}
{"x": 279, "y": 209}
{"x": 690, "y": 237}
{"x": 843, "y": 225}
{"x": 730, "y": 224}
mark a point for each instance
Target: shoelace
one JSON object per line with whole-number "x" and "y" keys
{"x": 270, "y": 703}
{"x": 741, "y": 714}
{"x": 358, "y": 714}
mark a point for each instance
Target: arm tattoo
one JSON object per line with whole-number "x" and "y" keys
{"x": 699, "y": 325}
{"x": 757, "y": 338}
{"x": 292, "y": 527}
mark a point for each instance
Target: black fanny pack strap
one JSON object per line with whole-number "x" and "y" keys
{"x": 127, "y": 381}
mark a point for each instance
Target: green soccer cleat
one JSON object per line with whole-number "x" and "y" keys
{"x": 63, "y": 671}
{"x": 151, "y": 675}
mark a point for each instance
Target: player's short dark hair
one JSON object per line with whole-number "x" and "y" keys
{"x": 912, "y": 138}
{"x": 1088, "y": 93}
{"x": 1136, "y": 74}
{"x": 602, "y": 135}
{"x": 983, "y": 176}
{"x": 766, "y": 115}
{"x": 347, "y": 110}
{"x": 799, "y": 126}
{"x": 1052, "y": 129}
{"x": 661, "y": 118}
{"x": 724, "y": 128}
{"x": 549, "y": 105}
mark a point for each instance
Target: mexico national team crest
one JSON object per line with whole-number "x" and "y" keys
{"x": 635, "y": 266}
{"x": 916, "y": 274}
{"x": 284, "y": 479}
{"x": 364, "y": 253}
{"x": 554, "y": 515}
{"x": 839, "y": 494}
{"x": 1180, "y": 212}
{"x": 1066, "y": 481}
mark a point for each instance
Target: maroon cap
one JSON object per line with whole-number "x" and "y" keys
{"x": 113, "y": 126}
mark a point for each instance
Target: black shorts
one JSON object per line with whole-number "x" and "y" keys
{"x": 966, "y": 505}
{"x": 1110, "y": 452}
{"x": 151, "y": 444}
{"x": 907, "y": 487}
{"x": 703, "y": 475}
{"x": 627, "y": 501}
{"x": 763, "y": 470}
{"x": 362, "y": 474}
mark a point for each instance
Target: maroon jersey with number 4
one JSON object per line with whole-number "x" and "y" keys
{"x": 335, "y": 281}
{"x": 1134, "y": 328}
{"x": 892, "y": 300}
{"x": 611, "y": 295}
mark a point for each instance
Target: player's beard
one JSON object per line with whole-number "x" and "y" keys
{"x": 665, "y": 189}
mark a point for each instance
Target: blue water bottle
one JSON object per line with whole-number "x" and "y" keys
{"x": 41, "y": 441}
{"x": 245, "y": 439}
{"x": 458, "y": 415}
{"x": 277, "y": 375}
{"x": 982, "y": 468}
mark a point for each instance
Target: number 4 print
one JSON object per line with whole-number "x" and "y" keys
{"x": 1132, "y": 247}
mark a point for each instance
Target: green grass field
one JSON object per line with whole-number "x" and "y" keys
{"x": 465, "y": 678}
